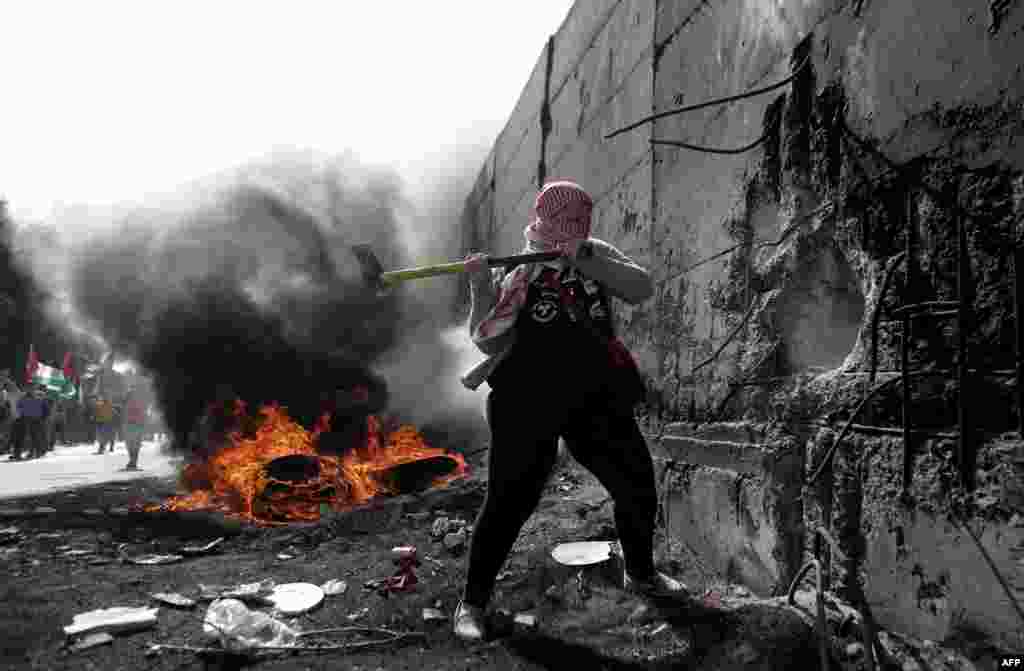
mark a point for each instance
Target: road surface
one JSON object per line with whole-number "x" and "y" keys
{"x": 71, "y": 466}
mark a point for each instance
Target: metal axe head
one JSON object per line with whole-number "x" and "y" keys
{"x": 370, "y": 266}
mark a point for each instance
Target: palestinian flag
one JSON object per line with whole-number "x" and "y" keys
{"x": 54, "y": 381}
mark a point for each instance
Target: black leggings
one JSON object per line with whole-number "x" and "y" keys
{"x": 524, "y": 445}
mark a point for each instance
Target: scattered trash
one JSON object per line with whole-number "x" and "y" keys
{"x": 153, "y": 560}
{"x": 553, "y": 593}
{"x": 49, "y": 536}
{"x": 334, "y": 587}
{"x": 433, "y": 614}
{"x": 660, "y": 629}
{"x": 357, "y": 615}
{"x": 44, "y": 510}
{"x": 173, "y": 599}
{"x": 455, "y": 541}
{"x": 91, "y": 641}
{"x": 440, "y": 527}
{"x": 239, "y": 629}
{"x": 419, "y": 517}
{"x": 99, "y": 561}
{"x": 853, "y": 650}
{"x": 62, "y": 548}
{"x": 712, "y": 599}
{"x": 404, "y": 579}
{"x": 119, "y": 619}
{"x": 583, "y": 553}
{"x": 285, "y": 557}
{"x": 527, "y": 620}
{"x": 9, "y": 535}
{"x": 77, "y": 553}
{"x": 193, "y": 550}
{"x": 296, "y": 598}
{"x": 92, "y": 512}
{"x": 504, "y": 575}
{"x": 253, "y": 592}
{"x": 740, "y": 591}
{"x": 404, "y": 553}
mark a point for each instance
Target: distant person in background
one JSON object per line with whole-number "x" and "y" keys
{"x": 10, "y": 426}
{"x": 103, "y": 417}
{"x": 33, "y": 410}
{"x": 58, "y": 423}
{"x": 133, "y": 426}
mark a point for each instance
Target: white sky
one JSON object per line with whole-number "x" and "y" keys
{"x": 106, "y": 102}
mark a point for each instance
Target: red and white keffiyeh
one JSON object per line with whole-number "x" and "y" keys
{"x": 561, "y": 215}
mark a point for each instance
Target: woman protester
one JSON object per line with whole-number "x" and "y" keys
{"x": 556, "y": 369}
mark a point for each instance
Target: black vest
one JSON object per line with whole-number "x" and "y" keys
{"x": 551, "y": 343}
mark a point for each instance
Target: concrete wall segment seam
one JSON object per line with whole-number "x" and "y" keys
{"x": 589, "y": 45}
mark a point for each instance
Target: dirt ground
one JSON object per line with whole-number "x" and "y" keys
{"x": 44, "y": 587}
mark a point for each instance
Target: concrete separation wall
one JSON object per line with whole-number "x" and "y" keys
{"x": 769, "y": 265}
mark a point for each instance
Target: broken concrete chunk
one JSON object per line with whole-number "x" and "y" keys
{"x": 119, "y": 619}
{"x": 174, "y": 599}
{"x": 334, "y": 587}
{"x": 91, "y": 641}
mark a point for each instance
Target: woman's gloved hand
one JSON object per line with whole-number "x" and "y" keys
{"x": 476, "y": 266}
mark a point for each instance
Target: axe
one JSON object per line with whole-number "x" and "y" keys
{"x": 376, "y": 277}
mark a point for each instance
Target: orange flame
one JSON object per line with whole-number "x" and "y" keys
{"x": 234, "y": 482}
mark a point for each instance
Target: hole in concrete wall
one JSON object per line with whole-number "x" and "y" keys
{"x": 821, "y": 311}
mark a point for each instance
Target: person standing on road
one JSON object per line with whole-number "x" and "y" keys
{"x": 59, "y": 420}
{"x": 103, "y": 416}
{"x": 133, "y": 426}
{"x": 556, "y": 369}
{"x": 9, "y": 424}
{"x": 33, "y": 410}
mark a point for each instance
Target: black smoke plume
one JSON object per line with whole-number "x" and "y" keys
{"x": 254, "y": 293}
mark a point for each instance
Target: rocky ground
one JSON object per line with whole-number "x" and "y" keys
{"x": 62, "y": 554}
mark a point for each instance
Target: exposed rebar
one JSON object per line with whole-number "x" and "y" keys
{"x": 965, "y": 444}
{"x": 711, "y": 103}
{"x": 711, "y": 150}
{"x": 1018, "y": 316}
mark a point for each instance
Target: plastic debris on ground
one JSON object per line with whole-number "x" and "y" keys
{"x": 334, "y": 587}
{"x": 91, "y": 641}
{"x": 404, "y": 579}
{"x": 193, "y": 550}
{"x": 433, "y": 614}
{"x": 120, "y": 619}
{"x": 239, "y": 629}
{"x": 154, "y": 559}
{"x": 583, "y": 553}
{"x": 253, "y": 592}
{"x": 296, "y": 598}
{"x": 173, "y": 599}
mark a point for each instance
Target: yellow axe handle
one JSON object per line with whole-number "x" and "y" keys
{"x": 395, "y": 276}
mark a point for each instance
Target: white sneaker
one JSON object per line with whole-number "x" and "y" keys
{"x": 657, "y": 585}
{"x": 469, "y": 622}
